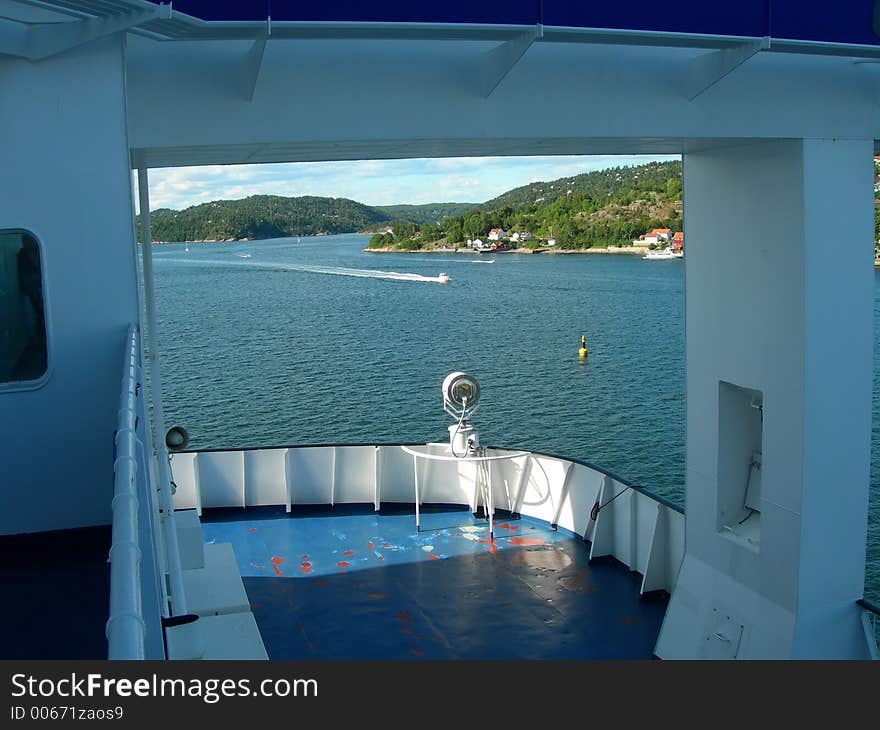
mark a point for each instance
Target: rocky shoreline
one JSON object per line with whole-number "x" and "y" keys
{"x": 609, "y": 250}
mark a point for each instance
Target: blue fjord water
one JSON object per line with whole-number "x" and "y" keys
{"x": 283, "y": 342}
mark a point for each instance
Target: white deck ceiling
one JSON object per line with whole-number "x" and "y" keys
{"x": 223, "y": 93}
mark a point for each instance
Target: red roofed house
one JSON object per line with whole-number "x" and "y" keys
{"x": 678, "y": 241}
{"x": 496, "y": 234}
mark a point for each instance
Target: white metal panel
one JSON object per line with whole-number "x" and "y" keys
{"x": 184, "y": 474}
{"x": 310, "y": 471}
{"x": 675, "y": 533}
{"x": 446, "y": 482}
{"x": 602, "y": 535}
{"x": 395, "y": 475}
{"x": 264, "y": 477}
{"x": 221, "y": 478}
{"x": 507, "y": 480}
{"x": 584, "y": 485}
{"x": 622, "y": 515}
{"x": 643, "y": 529}
{"x": 654, "y": 575}
{"x": 543, "y": 487}
{"x": 355, "y": 474}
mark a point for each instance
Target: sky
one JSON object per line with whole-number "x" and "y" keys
{"x": 374, "y": 182}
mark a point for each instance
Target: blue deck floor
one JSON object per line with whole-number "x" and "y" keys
{"x": 352, "y": 584}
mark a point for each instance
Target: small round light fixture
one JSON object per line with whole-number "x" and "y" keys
{"x": 177, "y": 438}
{"x": 461, "y": 393}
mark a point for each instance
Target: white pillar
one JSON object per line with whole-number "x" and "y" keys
{"x": 779, "y": 342}
{"x": 160, "y": 452}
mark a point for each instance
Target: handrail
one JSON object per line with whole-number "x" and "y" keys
{"x": 125, "y": 627}
{"x": 870, "y": 622}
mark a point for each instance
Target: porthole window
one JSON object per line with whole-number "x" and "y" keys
{"x": 23, "y": 342}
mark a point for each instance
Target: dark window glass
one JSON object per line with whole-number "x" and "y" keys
{"x": 23, "y": 354}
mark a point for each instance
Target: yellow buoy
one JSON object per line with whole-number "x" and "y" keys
{"x": 583, "y": 352}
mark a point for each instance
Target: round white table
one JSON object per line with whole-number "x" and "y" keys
{"x": 418, "y": 453}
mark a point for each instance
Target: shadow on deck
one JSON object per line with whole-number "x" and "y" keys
{"x": 56, "y": 588}
{"x": 347, "y": 583}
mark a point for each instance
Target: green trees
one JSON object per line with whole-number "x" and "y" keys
{"x": 608, "y": 207}
{"x": 263, "y": 216}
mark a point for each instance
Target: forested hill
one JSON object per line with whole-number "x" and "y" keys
{"x": 263, "y": 216}
{"x": 653, "y": 176}
{"x": 427, "y": 213}
{"x": 594, "y": 208}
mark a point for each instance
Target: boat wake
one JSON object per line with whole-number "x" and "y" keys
{"x": 315, "y": 269}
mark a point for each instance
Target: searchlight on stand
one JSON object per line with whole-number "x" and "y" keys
{"x": 461, "y": 397}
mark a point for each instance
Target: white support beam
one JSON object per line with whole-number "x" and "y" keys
{"x": 252, "y": 64}
{"x": 500, "y": 60}
{"x": 13, "y": 39}
{"x": 707, "y": 70}
{"x": 49, "y": 39}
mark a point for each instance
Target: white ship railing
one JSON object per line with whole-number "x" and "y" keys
{"x": 125, "y": 627}
{"x": 871, "y": 625}
{"x": 618, "y": 519}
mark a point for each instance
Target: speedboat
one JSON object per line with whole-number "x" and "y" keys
{"x": 443, "y": 278}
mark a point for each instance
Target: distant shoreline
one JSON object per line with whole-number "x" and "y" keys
{"x": 609, "y": 251}
{"x": 603, "y": 251}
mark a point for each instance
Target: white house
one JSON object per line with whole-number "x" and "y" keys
{"x": 551, "y": 241}
{"x": 496, "y": 234}
{"x": 521, "y": 236}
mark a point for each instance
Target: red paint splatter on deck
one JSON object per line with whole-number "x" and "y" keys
{"x": 276, "y": 561}
{"x": 415, "y": 651}
{"x": 346, "y": 553}
{"x": 303, "y": 557}
{"x": 404, "y": 616}
{"x": 253, "y": 529}
{"x": 492, "y": 547}
{"x": 506, "y": 526}
{"x": 305, "y": 568}
{"x": 342, "y": 564}
{"x": 386, "y": 545}
{"x": 433, "y": 557}
{"x": 371, "y": 545}
{"x": 526, "y": 541}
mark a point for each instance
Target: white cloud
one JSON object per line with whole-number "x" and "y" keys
{"x": 374, "y": 182}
